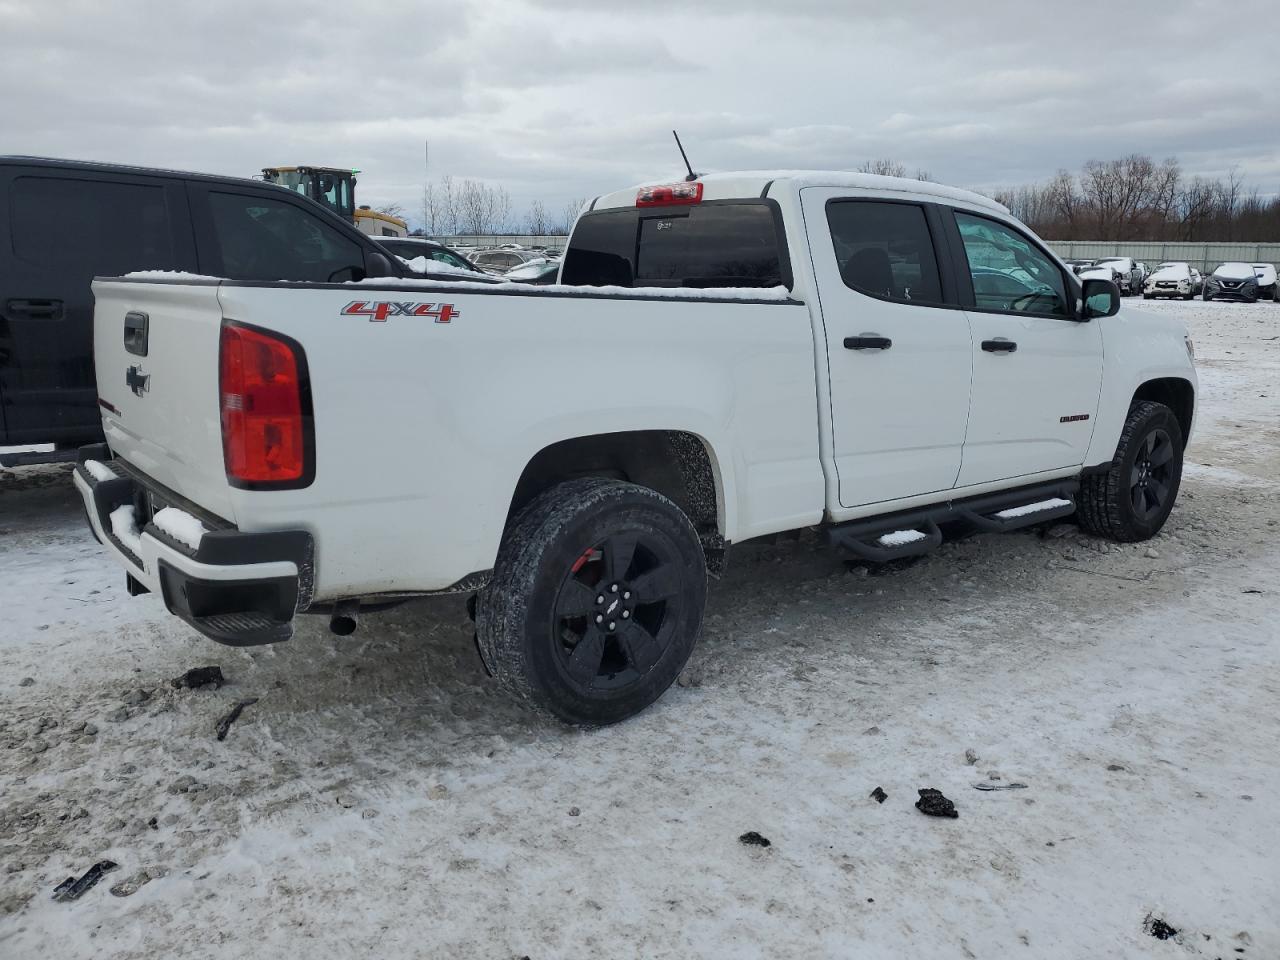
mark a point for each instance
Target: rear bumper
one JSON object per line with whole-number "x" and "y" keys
{"x": 234, "y": 587}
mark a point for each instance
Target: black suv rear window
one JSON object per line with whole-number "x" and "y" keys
{"x": 706, "y": 245}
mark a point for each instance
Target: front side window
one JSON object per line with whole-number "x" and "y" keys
{"x": 885, "y": 250}
{"x": 1010, "y": 274}
{"x": 264, "y": 239}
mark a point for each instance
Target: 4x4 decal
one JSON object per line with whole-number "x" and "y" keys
{"x": 378, "y": 310}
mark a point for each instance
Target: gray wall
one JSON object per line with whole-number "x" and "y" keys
{"x": 1203, "y": 256}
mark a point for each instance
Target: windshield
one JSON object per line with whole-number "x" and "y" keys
{"x": 1235, "y": 271}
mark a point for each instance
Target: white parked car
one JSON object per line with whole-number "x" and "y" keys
{"x": 742, "y": 355}
{"x": 1197, "y": 278}
{"x": 1100, "y": 272}
{"x": 1266, "y": 274}
{"x": 1129, "y": 273}
{"x": 1170, "y": 280}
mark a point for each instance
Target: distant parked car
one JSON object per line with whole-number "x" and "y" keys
{"x": 1197, "y": 278}
{"x": 500, "y": 261}
{"x": 1170, "y": 280}
{"x": 1232, "y": 281}
{"x": 1078, "y": 265}
{"x": 1266, "y": 274}
{"x": 1127, "y": 270}
{"x": 1102, "y": 271}
{"x": 538, "y": 272}
{"x": 411, "y": 248}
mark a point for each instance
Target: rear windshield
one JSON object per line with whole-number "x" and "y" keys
{"x": 706, "y": 245}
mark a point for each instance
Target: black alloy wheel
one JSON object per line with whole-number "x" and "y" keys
{"x": 1151, "y": 479}
{"x": 616, "y": 611}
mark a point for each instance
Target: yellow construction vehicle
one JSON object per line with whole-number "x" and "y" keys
{"x": 335, "y": 187}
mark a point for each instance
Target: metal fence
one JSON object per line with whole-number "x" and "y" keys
{"x": 1205, "y": 257}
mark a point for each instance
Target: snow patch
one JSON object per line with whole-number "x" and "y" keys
{"x": 900, "y": 538}
{"x": 431, "y": 265}
{"x": 1033, "y": 508}
{"x": 99, "y": 471}
{"x": 166, "y": 275}
{"x": 180, "y": 525}
{"x": 125, "y": 527}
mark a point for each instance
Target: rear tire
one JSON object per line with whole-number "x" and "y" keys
{"x": 1132, "y": 499}
{"x": 596, "y": 600}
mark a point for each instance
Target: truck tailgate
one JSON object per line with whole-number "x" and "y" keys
{"x": 156, "y": 358}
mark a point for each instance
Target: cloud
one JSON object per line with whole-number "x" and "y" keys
{"x": 566, "y": 98}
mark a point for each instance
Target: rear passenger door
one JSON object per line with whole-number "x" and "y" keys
{"x": 898, "y": 346}
{"x": 61, "y": 227}
{"x": 1037, "y": 369}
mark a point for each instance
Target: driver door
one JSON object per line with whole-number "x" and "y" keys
{"x": 1037, "y": 371}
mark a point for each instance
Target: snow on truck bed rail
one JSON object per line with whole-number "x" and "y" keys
{"x": 778, "y": 293}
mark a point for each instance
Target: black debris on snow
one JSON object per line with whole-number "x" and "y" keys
{"x": 198, "y": 677}
{"x": 224, "y": 725}
{"x": 934, "y": 804}
{"x": 71, "y": 888}
{"x": 878, "y": 795}
{"x": 753, "y": 839}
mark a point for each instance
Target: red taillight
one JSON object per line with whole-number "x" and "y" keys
{"x": 669, "y": 193}
{"x": 265, "y": 429}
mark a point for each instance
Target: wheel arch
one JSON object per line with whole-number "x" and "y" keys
{"x": 1177, "y": 394}
{"x": 680, "y": 465}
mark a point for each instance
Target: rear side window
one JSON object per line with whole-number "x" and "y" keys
{"x": 93, "y": 227}
{"x": 702, "y": 246}
{"x": 885, "y": 250}
{"x": 259, "y": 238}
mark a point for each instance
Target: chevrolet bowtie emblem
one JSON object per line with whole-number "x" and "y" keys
{"x": 137, "y": 381}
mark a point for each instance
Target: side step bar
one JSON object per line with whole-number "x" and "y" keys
{"x": 913, "y": 532}
{"x": 32, "y": 458}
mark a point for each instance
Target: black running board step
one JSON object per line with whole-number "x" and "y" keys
{"x": 1023, "y": 515}
{"x": 32, "y": 458}
{"x": 881, "y": 543}
{"x": 910, "y": 533}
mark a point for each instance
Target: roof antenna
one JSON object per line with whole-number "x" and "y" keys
{"x": 692, "y": 176}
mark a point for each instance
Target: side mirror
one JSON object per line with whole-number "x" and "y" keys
{"x": 1101, "y": 299}
{"x": 377, "y": 265}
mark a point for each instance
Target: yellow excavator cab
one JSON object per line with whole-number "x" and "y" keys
{"x": 334, "y": 187}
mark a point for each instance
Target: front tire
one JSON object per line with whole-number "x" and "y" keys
{"x": 1131, "y": 501}
{"x": 596, "y": 600}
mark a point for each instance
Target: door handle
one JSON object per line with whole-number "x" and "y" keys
{"x": 135, "y": 332}
{"x": 868, "y": 341}
{"x": 999, "y": 345}
{"x": 35, "y": 309}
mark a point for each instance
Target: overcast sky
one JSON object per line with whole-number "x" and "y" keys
{"x": 557, "y": 99}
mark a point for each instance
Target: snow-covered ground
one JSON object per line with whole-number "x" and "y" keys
{"x": 382, "y": 799}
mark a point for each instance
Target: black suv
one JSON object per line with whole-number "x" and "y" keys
{"x": 63, "y": 222}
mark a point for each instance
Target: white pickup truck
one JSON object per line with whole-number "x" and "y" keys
{"x": 723, "y": 359}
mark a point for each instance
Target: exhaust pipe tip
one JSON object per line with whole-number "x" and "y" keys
{"x": 345, "y": 617}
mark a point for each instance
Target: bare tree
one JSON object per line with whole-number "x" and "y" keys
{"x": 569, "y": 215}
{"x": 885, "y": 168}
{"x": 536, "y": 221}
